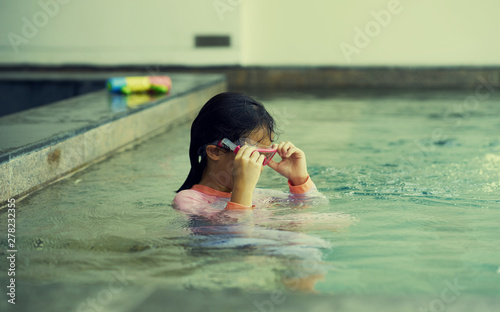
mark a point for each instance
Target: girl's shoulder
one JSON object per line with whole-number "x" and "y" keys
{"x": 190, "y": 195}
{"x": 194, "y": 199}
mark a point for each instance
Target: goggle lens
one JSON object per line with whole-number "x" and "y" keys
{"x": 267, "y": 151}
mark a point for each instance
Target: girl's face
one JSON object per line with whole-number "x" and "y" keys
{"x": 259, "y": 138}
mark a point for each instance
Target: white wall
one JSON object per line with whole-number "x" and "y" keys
{"x": 263, "y": 32}
{"x": 113, "y": 32}
{"x": 421, "y": 32}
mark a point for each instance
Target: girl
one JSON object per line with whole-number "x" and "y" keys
{"x": 231, "y": 143}
{"x": 223, "y": 175}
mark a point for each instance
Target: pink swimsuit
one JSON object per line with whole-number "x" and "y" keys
{"x": 204, "y": 201}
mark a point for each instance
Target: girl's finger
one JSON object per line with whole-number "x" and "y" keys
{"x": 291, "y": 151}
{"x": 280, "y": 148}
{"x": 273, "y": 164}
{"x": 285, "y": 148}
{"x": 248, "y": 151}
{"x": 255, "y": 156}
{"x": 240, "y": 152}
{"x": 261, "y": 159}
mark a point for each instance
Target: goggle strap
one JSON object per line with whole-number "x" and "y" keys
{"x": 228, "y": 144}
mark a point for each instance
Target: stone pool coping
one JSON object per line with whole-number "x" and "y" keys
{"x": 249, "y": 78}
{"x": 40, "y": 145}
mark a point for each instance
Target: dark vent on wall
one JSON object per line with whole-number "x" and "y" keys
{"x": 212, "y": 41}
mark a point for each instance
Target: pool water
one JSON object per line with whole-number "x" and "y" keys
{"x": 412, "y": 208}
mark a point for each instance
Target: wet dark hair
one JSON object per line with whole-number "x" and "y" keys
{"x": 227, "y": 115}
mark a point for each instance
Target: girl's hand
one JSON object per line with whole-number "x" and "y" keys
{"x": 247, "y": 167}
{"x": 293, "y": 163}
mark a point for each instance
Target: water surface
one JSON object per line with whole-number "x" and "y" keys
{"x": 412, "y": 184}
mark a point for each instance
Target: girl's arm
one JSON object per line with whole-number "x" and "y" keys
{"x": 247, "y": 167}
{"x": 292, "y": 165}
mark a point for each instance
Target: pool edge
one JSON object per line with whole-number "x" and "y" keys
{"x": 37, "y": 168}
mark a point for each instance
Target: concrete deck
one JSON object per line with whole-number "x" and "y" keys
{"x": 45, "y": 143}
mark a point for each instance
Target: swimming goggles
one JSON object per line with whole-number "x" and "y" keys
{"x": 235, "y": 147}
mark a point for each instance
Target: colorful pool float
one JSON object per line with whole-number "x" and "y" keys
{"x": 128, "y": 85}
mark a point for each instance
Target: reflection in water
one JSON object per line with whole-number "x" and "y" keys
{"x": 268, "y": 235}
{"x": 120, "y": 103}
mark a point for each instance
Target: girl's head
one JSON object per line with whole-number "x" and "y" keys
{"x": 227, "y": 115}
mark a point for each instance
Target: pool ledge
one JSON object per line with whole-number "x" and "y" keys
{"x": 44, "y": 144}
